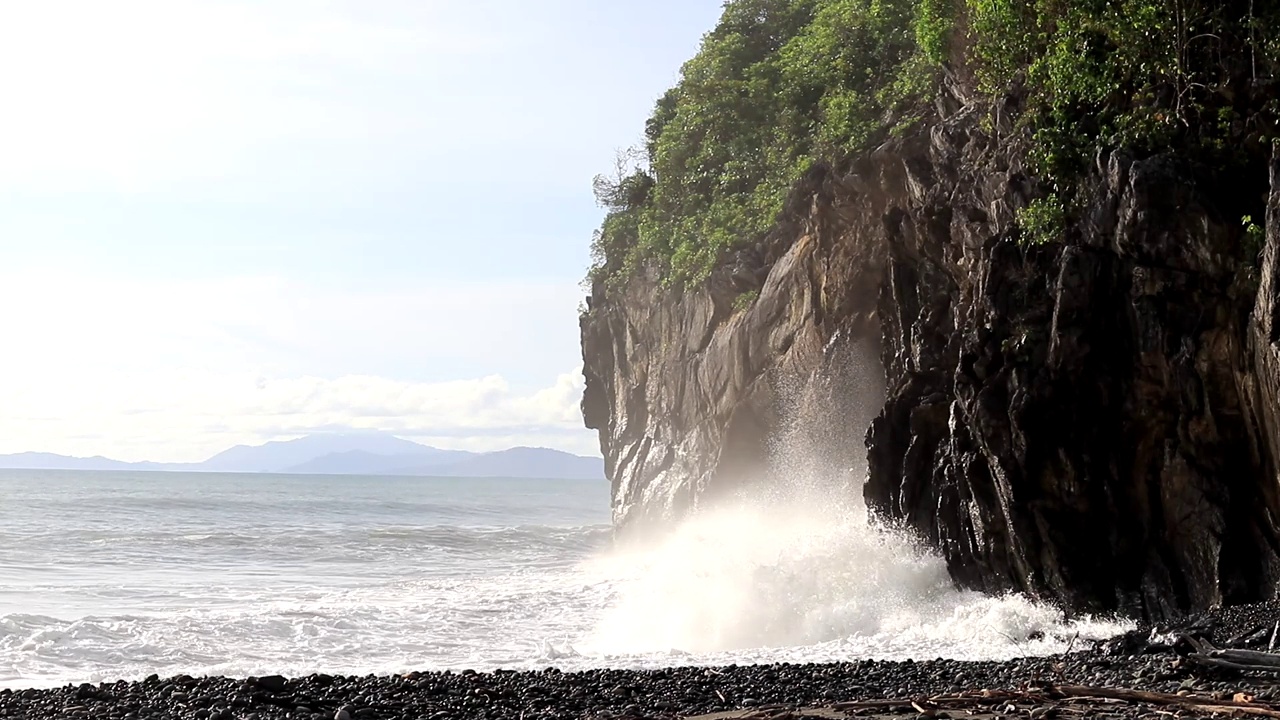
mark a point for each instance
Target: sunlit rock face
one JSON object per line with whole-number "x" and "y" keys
{"x": 1095, "y": 422}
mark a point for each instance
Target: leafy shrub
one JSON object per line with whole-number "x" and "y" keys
{"x": 1042, "y": 221}
{"x": 1255, "y": 236}
{"x": 777, "y": 85}
{"x": 746, "y": 300}
{"x": 781, "y": 84}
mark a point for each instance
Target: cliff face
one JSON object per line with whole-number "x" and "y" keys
{"x": 1095, "y": 422}
{"x": 691, "y": 395}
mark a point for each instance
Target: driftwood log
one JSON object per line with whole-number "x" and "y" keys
{"x": 1058, "y": 697}
{"x": 1239, "y": 660}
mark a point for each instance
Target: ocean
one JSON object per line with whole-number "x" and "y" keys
{"x": 108, "y": 576}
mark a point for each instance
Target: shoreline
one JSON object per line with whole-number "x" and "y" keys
{"x": 875, "y": 689}
{"x": 1096, "y": 680}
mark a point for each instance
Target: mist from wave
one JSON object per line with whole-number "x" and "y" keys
{"x": 809, "y": 581}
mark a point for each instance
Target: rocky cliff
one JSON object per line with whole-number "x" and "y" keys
{"x": 1095, "y": 421}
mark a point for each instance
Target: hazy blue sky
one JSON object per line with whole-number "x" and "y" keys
{"x": 226, "y": 222}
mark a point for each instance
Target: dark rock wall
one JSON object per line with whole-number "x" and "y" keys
{"x": 1094, "y": 422}
{"x": 687, "y": 392}
{"x": 1264, "y": 337}
{"x": 1081, "y": 421}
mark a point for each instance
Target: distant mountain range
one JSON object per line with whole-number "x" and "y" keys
{"x": 353, "y": 453}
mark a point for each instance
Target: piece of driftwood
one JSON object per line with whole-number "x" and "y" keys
{"x": 1245, "y": 636}
{"x": 1056, "y": 695}
{"x": 1188, "y": 702}
{"x": 1232, "y": 659}
{"x": 770, "y": 712}
{"x": 1249, "y": 657}
{"x": 939, "y": 702}
{"x": 1222, "y": 664}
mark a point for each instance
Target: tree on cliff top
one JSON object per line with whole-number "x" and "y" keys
{"x": 781, "y": 84}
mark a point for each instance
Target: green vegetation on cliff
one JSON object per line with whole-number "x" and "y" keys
{"x": 779, "y": 85}
{"x": 1146, "y": 75}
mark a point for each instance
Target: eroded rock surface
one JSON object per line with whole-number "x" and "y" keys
{"x": 1095, "y": 422}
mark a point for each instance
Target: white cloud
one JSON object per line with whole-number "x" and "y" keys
{"x": 186, "y": 416}
{"x": 174, "y": 371}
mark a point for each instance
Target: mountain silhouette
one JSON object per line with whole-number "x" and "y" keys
{"x": 346, "y": 453}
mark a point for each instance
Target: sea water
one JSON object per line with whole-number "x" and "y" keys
{"x": 107, "y": 576}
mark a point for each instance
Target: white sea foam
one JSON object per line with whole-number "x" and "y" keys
{"x": 807, "y": 581}
{"x": 324, "y": 576}
{"x": 790, "y": 569}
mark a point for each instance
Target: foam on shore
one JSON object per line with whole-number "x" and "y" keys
{"x": 809, "y": 581}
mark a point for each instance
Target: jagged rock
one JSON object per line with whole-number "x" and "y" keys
{"x": 1095, "y": 422}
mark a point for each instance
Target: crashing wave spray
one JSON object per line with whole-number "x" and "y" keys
{"x": 791, "y": 569}
{"x": 816, "y": 583}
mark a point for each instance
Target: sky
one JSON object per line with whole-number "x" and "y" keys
{"x": 228, "y": 222}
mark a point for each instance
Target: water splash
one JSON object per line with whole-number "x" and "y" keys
{"x": 790, "y": 568}
{"x": 811, "y": 581}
